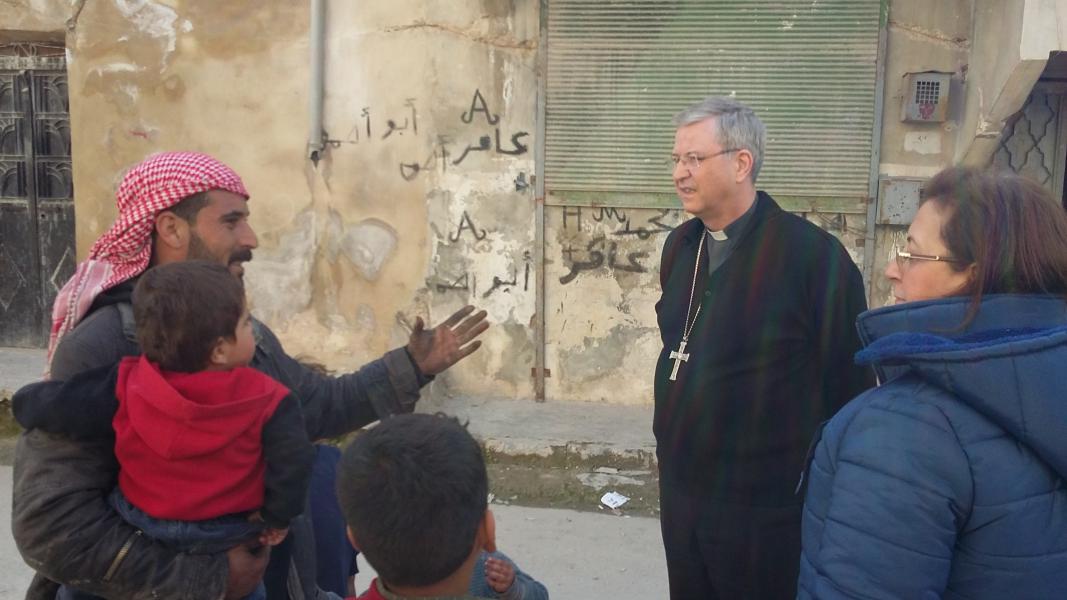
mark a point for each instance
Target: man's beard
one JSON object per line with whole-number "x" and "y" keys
{"x": 199, "y": 251}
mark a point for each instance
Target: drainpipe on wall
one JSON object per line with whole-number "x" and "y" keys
{"x": 318, "y": 62}
{"x": 540, "y": 371}
{"x": 870, "y": 236}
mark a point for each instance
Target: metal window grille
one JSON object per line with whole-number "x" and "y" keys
{"x": 927, "y": 92}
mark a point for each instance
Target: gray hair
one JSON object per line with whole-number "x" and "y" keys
{"x": 738, "y": 126}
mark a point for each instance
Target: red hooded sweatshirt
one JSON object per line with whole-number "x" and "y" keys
{"x": 190, "y": 443}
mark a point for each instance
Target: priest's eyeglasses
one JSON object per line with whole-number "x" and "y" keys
{"x": 904, "y": 258}
{"x": 692, "y": 160}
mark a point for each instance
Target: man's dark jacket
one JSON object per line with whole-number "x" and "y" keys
{"x": 770, "y": 356}
{"x": 65, "y": 529}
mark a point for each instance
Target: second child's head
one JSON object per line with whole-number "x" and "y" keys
{"x": 192, "y": 316}
{"x": 413, "y": 491}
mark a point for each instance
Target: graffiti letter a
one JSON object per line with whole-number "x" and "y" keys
{"x": 465, "y": 223}
{"x": 478, "y": 105}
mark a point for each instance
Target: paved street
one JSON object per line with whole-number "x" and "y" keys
{"x": 19, "y": 366}
{"x": 14, "y": 574}
{"x": 577, "y": 555}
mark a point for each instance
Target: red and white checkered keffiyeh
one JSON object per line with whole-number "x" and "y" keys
{"x": 156, "y": 184}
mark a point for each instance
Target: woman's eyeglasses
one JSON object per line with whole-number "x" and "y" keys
{"x": 904, "y": 258}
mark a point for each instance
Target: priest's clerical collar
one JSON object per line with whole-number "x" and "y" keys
{"x": 734, "y": 228}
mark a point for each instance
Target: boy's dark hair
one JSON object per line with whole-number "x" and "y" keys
{"x": 182, "y": 309}
{"x": 414, "y": 491}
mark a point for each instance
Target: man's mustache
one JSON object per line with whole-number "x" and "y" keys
{"x": 241, "y": 256}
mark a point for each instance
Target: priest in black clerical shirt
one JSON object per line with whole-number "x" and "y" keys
{"x": 757, "y": 318}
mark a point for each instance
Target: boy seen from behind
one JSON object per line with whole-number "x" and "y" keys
{"x": 414, "y": 492}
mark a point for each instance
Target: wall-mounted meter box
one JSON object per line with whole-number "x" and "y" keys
{"x": 898, "y": 200}
{"x": 926, "y": 97}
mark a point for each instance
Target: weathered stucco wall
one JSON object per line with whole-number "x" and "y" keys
{"x": 414, "y": 209}
{"x": 430, "y": 111}
{"x": 145, "y": 77}
{"x": 602, "y": 284}
{"x": 1012, "y": 43}
{"x": 34, "y": 20}
{"x": 921, "y": 36}
{"x": 423, "y": 201}
{"x": 995, "y": 51}
{"x": 1000, "y": 77}
{"x": 601, "y": 287}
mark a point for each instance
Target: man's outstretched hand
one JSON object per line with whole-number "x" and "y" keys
{"x": 437, "y": 349}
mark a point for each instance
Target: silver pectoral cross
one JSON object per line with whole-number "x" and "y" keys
{"x": 678, "y": 357}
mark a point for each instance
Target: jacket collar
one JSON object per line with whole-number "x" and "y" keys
{"x": 943, "y": 316}
{"x": 1005, "y": 364}
{"x": 765, "y": 207}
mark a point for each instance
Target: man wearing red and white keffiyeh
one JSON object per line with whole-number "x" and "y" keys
{"x": 125, "y": 250}
{"x": 178, "y": 206}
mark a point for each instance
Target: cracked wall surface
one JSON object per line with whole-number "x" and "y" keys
{"x": 995, "y": 51}
{"x": 33, "y": 17}
{"x": 423, "y": 200}
{"x": 1013, "y": 40}
{"x": 407, "y": 195}
{"x": 921, "y": 36}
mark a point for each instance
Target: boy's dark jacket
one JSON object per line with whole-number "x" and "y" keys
{"x": 231, "y": 441}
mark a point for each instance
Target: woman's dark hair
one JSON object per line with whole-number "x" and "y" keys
{"x": 1008, "y": 227}
{"x": 182, "y": 309}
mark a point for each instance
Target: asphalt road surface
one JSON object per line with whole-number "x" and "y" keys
{"x": 577, "y": 555}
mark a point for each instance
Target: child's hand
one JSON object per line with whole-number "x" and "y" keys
{"x": 273, "y": 537}
{"x": 500, "y": 574}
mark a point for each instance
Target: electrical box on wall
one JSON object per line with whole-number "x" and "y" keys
{"x": 926, "y": 97}
{"x": 898, "y": 200}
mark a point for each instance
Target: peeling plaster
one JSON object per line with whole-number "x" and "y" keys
{"x": 368, "y": 245}
{"x": 985, "y": 127}
{"x": 599, "y": 357}
{"x": 151, "y": 19}
{"x": 906, "y": 170}
{"x": 365, "y": 319}
{"x": 115, "y": 68}
{"x": 930, "y": 35}
{"x": 497, "y": 41}
{"x": 130, "y": 90}
{"x": 922, "y": 142}
{"x": 278, "y": 280}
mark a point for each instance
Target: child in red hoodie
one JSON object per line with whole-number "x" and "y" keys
{"x": 212, "y": 453}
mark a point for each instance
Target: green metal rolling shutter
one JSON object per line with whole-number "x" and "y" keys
{"x": 619, "y": 70}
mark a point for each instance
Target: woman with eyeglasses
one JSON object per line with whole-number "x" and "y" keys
{"x": 948, "y": 481}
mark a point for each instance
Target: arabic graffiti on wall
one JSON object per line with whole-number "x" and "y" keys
{"x": 445, "y": 152}
{"x": 440, "y": 156}
{"x": 364, "y": 130}
{"x": 466, "y": 238}
{"x": 618, "y": 242}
